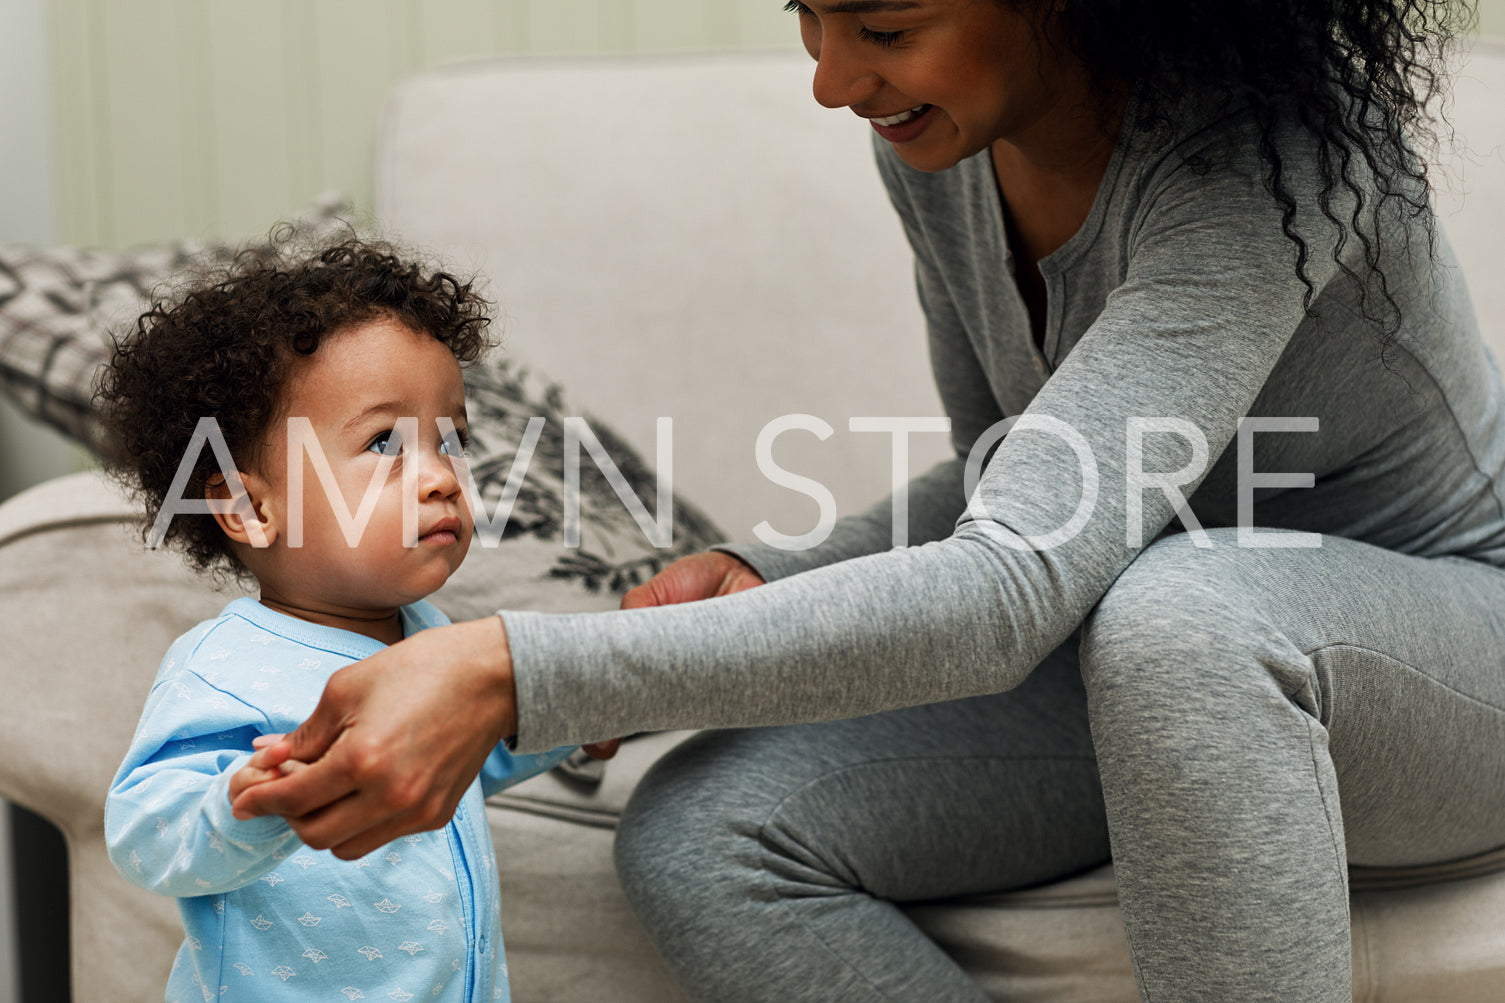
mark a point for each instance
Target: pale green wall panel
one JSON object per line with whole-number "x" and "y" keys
{"x": 454, "y": 30}
{"x": 764, "y": 24}
{"x": 407, "y": 37}
{"x": 570, "y": 26}
{"x": 617, "y": 20}
{"x": 142, "y": 45}
{"x": 254, "y": 153}
{"x": 359, "y": 57}
{"x": 78, "y": 158}
{"x": 300, "y": 68}
{"x": 219, "y": 117}
{"x": 1492, "y": 18}
{"x": 720, "y": 23}
{"x": 201, "y": 200}
{"x": 670, "y": 25}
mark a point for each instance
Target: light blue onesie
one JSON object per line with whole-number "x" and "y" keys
{"x": 267, "y": 918}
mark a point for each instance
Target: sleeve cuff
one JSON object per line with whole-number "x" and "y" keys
{"x": 529, "y": 688}
{"x": 770, "y": 562}
{"x": 244, "y": 833}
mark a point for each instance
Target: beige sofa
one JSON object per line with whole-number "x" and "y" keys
{"x": 691, "y": 238}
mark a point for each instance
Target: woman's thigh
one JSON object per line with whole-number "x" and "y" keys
{"x": 1414, "y": 704}
{"x": 1263, "y": 717}
{"x": 767, "y": 863}
{"x": 943, "y": 799}
{"x": 1392, "y": 666}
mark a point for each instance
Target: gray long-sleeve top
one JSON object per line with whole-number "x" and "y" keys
{"x": 1177, "y": 298}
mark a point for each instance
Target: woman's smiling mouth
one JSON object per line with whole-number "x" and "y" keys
{"x": 904, "y": 126}
{"x": 903, "y": 116}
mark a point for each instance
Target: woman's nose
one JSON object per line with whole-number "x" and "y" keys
{"x": 842, "y": 79}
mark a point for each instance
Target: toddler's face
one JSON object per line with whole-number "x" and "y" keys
{"x": 358, "y": 391}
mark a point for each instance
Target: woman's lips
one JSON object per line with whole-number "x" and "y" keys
{"x": 906, "y": 125}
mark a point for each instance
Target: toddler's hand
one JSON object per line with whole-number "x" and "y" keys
{"x": 269, "y": 762}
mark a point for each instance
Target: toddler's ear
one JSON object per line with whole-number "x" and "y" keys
{"x": 247, "y": 517}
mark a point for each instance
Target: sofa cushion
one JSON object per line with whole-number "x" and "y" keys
{"x": 1420, "y": 934}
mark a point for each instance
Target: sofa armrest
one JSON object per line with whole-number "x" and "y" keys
{"x": 89, "y": 612}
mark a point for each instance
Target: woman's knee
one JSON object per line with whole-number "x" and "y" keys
{"x": 1165, "y": 596}
{"x": 681, "y": 828}
{"x": 1183, "y": 620}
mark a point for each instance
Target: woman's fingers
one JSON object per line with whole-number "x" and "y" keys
{"x": 603, "y": 750}
{"x": 739, "y": 576}
{"x": 654, "y": 592}
{"x": 391, "y": 802}
{"x": 346, "y": 816}
{"x": 690, "y": 579}
{"x": 395, "y": 740}
{"x": 294, "y": 794}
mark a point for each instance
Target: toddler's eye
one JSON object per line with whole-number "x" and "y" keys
{"x": 387, "y": 443}
{"x": 456, "y": 443}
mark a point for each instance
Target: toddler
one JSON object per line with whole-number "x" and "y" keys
{"x": 335, "y": 477}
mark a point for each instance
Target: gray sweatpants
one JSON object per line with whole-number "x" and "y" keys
{"x": 1233, "y": 726}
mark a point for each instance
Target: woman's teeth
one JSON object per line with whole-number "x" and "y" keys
{"x": 903, "y": 116}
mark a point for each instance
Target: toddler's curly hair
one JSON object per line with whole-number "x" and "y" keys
{"x": 224, "y": 346}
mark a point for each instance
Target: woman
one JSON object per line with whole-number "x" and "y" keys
{"x": 1135, "y": 225}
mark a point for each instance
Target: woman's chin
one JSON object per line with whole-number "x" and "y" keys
{"x": 928, "y": 157}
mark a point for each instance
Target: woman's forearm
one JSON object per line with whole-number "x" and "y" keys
{"x": 932, "y": 503}
{"x": 894, "y": 629}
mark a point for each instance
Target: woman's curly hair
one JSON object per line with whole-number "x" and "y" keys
{"x": 1358, "y": 76}
{"x": 223, "y": 347}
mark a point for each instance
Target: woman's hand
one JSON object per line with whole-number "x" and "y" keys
{"x": 395, "y": 740}
{"x": 699, "y": 576}
{"x": 603, "y": 750}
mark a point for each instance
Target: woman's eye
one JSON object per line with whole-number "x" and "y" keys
{"x": 865, "y": 34}
{"x": 456, "y": 443}
{"x": 880, "y": 37}
{"x": 387, "y": 443}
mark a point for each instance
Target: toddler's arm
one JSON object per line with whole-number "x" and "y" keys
{"x": 503, "y": 768}
{"x": 168, "y": 822}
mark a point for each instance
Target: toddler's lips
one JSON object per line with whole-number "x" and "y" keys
{"x": 446, "y": 530}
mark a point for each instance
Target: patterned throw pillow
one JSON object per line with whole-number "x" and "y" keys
{"x": 533, "y": 568}
{"x": 58, "y": 305}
